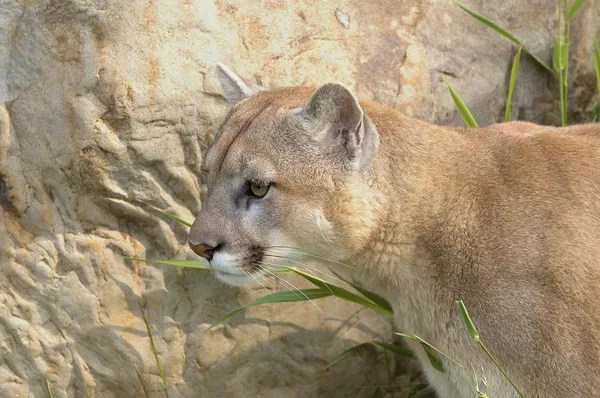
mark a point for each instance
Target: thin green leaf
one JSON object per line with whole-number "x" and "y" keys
{"x": 460, "y": 105}
{"x": 342, "y": 293}
{"x": 564, "y": 62}
{"x": 420, "y": 340}
{"x": 396, "y": 349}
{"x": 48, "y": 389}
{"x": 428, "y": 348}
{"x": 347, "y": 353}
{"x": 475, "y": 336}
{"x": 174, "y": 217}
{"x": 511, "y": 85}
{"x": 433, "y": 359}
{"x": 574, "y": 9}
{"x": 161, "y": 371}
{"x": 504, "y": 33}
{"x": 597, "y": 67}
{"x": 179, "y": 263}
{"x": 374, "y": 297}
{"x": 540, "y": 62}
{"x": 489, "y": 23}
{"x": 556, "y": 56}
{"x": 564, "y": 55}
{"x": 287, "y": 296}
{"x": 426, "y": 392}
{"x": 464, "y": 314}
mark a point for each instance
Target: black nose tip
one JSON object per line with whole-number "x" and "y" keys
{"x": 203, "y": 250}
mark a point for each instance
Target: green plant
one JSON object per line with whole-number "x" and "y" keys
{"x": 597, "y": 68}
{"x": 506, "y": 34}
{"x": 161, "y": 372}
{"x": 560, "y": 59}
{"x": 511, "y": 84}
{"x": 464, "y": 110}
{"x": 323, "y": 289}
{"x": 48, "y": 388}
{"x": 472, "y": 330}
{"x": 460, "y": 105}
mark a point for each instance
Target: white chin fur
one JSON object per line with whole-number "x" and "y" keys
{"x": 226, "y": 271}
{"x": 235, "y": 279}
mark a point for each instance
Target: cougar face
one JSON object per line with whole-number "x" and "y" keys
{"x": 281, "y": 170}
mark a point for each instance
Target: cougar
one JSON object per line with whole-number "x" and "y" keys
{"x": 505, "y": 218}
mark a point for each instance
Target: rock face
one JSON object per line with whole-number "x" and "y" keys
{"x": 105, "y": 108}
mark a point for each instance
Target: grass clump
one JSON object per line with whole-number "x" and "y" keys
{"x": 560, "y": 59}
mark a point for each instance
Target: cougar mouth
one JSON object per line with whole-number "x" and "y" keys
{"x": 239, "y": 271}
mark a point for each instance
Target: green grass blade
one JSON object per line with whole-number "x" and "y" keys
{"x": 179, "y": 263}
{"x": 48, "y": 388}
{"x": 564, "y": 55}
{"x": 504, "y": 33}
{"x": 433, "y": 359}
{"x": 574, "y": 9}
{"x": 396, "y": 349}
{"x": 489, "y": 23}
{"x": 460, "y": 105}
{"x": 556, "y": 55}
{"x": 161, "y": 371}
{"x": 564, "y": 59}
{"x": 426, "y": 392}
{"x": 287, "y": 296}
{"x": 511, "y": 85}
{"x": 540, "y": 62}
{"x": 374, "y": 297}
{"x": 597, "y": 67}
{"x": 390, "y": 347}
{"x": 174, "y": 217}
{"x": 342, "y": 293}
{"x": 347, "y": 353}
{"x": 428, "y": 348}
{"x": 464, "y": 314}
{"x": 423, "y": 342}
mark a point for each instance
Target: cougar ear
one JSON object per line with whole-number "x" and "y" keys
{"x": 234, "y": 87}
{"x": 334, "y": 113}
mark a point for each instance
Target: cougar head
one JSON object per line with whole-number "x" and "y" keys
{"x": 288, "y": 174}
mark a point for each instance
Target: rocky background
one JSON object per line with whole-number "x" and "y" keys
{"x": 106, "y": 107}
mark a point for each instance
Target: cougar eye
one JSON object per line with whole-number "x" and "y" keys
{"x": 258, "y": 190}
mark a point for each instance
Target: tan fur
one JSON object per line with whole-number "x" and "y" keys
{"x": 506, "y": 218}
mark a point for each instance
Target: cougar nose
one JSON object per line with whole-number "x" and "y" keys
{"x": 203, "y": 250}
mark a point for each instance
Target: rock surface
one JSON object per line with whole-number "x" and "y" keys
{"x": 105, "y": 108}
